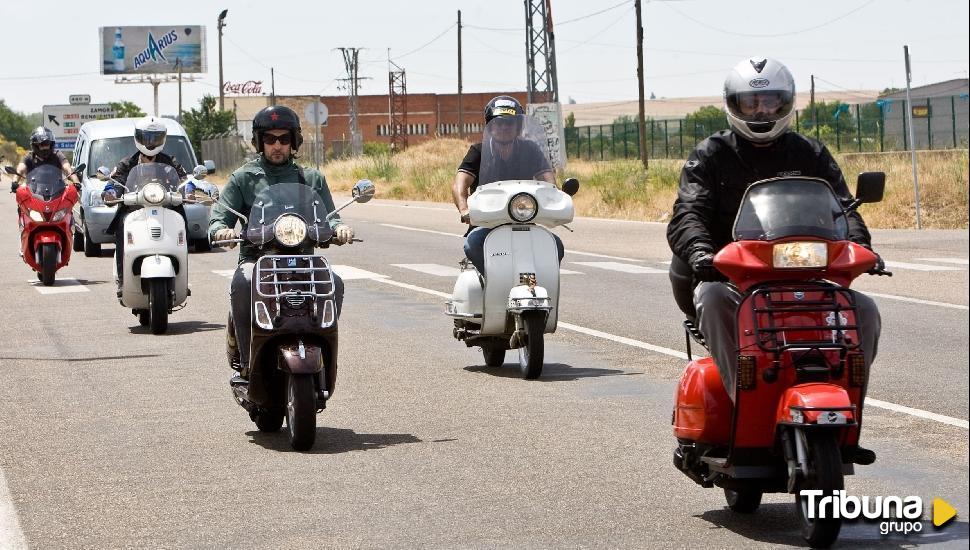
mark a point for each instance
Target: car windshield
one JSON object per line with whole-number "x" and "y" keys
{"x": 152, "y": 172}
{"x": 46, "y": 181}
{"x": 513, "y": 148}
{"x": 287, "y": 198}
{"x": 110, "y": 151}
{"x": 790, "y": 207}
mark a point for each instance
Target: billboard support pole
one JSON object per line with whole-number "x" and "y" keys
{"x": 155, "y": 80}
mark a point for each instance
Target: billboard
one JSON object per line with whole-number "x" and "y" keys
{"x": 152, "y": 50}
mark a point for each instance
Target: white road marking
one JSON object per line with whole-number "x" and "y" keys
{"x": 624, "y": 268}
{"x": 569, "y": 272}
{"x": 591, "y": 254}
{"x": 413, "y": 287}
{"x": 11, "y": 537}
{"x": 624, "y": 340}
{"x": 431, "y": 269}
{"x": 958, "y": 422}
{"x": 958, "y": 261}
{"x": 422, "y": 230}
{"x": 228, "y": 273}
{"x": 917, "y": 301}
{"x": 922, "y": 267}
{"x": 349, "y": 273}
{"x": 61, "y": 286}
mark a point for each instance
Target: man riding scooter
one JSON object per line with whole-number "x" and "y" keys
{"x": 759, "y": 98}
{"x": 42, "y": 152}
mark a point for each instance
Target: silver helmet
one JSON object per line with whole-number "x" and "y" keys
{"x": 759, "y": 98}
{"x": 150, "y": 135}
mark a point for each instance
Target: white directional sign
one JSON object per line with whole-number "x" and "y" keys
{"x": 550, "y": 115}
{"x": 316, "y": 112}
{"x": 79, "y": 99}
{"x": 66, "y": 120}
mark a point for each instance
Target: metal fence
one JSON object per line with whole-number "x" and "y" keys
{"x": 228, "y": 152}
{"x": 938, "y": 123}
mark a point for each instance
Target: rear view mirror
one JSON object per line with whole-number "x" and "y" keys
{"x": 210, "y": 166}
{"x": 10, "y": 170}
{"x": 570, "y": 186}
{"x": 363, "y": 191}
{"x": 200, "y": 172}
{"x": 79, "y": 168}
{"x": 870, "y": 187}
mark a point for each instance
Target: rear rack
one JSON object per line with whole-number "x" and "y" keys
{"x": 293, "y": 276}
{"x": 768, "y": 303}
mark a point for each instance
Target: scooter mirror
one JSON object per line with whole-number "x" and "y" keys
{"x": 200, "y": 172}
{"x": 870, "y": 186}
{"x": 210, "y": 166}
{"x": 79, "y": 168}
{"x": 570, "y": 186}
{"x": 363, "y": 191}
{"x": 10, "y": 170}
{"x": 103, "y": 173}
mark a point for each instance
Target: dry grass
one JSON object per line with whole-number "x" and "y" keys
{"x": 621, "y": 188}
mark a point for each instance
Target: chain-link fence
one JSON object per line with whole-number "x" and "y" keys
{"x": 938, "y": 123}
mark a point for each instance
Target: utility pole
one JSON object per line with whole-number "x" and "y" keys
{"x": 461, "y": 123}
{"x": 540, "y": 52}
{"x": 353, "y": 83}
{"x": 178, "y": 65}
{"x": 814, "y": 110}
{"x": 272, "y": 87}
{"x": 222, "y": 92}
{"x": 912, "y": 137}
{"x": 642, "y": 122}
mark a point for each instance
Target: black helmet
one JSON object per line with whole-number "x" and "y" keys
{"x": 502, "y": 105}
{"x": 41, "y": 135}
{"x": 277, "y": 117}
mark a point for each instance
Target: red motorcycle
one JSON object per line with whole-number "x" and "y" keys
{"x": 45, "y": 207}
{"x": 785, "y": 415}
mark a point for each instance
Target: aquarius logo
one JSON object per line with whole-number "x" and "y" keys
{"x": 155, "y": 48}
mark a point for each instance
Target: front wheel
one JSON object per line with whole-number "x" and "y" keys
{"x": 202, "y": 245}
{"x": 494, "y": 355}
{"x": 301, "y": 411}
{"x": 158, "y": 305}
{"x": 48, "y": 263}
{"x": 532, "y": 352}
{"x": 268, "y": 420}
{"x": 743, "y": 501}
{"x": 826, "y": 475}
{"x": 77, "y": 241}
{"x": 91, "y": 248}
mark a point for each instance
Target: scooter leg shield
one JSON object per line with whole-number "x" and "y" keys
{"x": 301, "y": 359}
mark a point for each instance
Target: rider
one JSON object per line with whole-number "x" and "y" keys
{"x": 512, "y": 158}
{"x": 42, "y": 152}
{"x": 759, "y": 97}
{"x": 276, "y": 136}
{"x": 150, "y": 135}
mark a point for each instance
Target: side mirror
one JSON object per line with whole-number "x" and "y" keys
{"x": 199, "y": 172}
{"x": 103, "y": 173}
{"x": 79, "y": 168}
{"x": 363, "y": 191}
{"x": 870, "y": 187}
{"x": 210, "y": 166}
{"x": 10, "y": 170}
{"x": 570, "y": 186}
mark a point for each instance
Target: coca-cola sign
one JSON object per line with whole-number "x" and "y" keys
{"x": 250, "y": 87}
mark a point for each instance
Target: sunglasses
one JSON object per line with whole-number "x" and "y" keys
{"x": 270, "y": 139}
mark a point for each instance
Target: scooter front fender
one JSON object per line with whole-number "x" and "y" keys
{"x": 47, "y": 236}
{"x": 816, "y": 404}
{"x": 157, "y": 266}
{"x": 301, "y": 359}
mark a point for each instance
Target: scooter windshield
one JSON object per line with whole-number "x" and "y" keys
{"x": 513, "y": 148}
{"x": 790, "y": 207}
{"x": 276, "y": 202}
{"x": 152, "y": 172}
{"x": 46, "y": 181}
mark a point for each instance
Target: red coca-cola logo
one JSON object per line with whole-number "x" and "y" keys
{"x": 244, "y": 88}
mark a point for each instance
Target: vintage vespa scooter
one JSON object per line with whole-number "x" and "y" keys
{"x": 515, "y": 302}
{"x": 787, "y": 416}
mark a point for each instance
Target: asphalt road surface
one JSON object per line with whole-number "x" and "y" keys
{"x": 112, "y": 437}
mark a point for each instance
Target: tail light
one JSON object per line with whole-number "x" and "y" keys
{"x": 746, "y": 371}
{"x": 857, "y": 369}
{"x": 131, "y": 238}
{"x": 181, "y": 239}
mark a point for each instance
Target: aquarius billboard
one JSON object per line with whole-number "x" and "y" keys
{"x": 153, "y": 50}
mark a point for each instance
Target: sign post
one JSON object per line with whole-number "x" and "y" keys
{"x": 317, "y": 112}
{"x": 66, "y": 120}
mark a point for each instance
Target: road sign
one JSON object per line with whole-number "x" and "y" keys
{"x": 316, "y": 112}
{"x": 66, "y": 120}
{"x": 550, "y": 115}
{"x": 79, "y": 99}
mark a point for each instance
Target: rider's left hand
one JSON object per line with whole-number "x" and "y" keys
{"x": 343, "y": 234}
{"x": 880, "y": 265}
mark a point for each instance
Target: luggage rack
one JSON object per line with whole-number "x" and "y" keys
{"x": 769, "y": 302}
{"x": 298, "y": 280}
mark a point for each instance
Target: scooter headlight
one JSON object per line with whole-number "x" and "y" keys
{"x": 36, "y": 216}
{"x": 799, "y": 255}
{"x": 60, "y": 214}
{"x": 523, "y": 207}
{"x": 290, "y": 230}
{"x": 153, "y": 193}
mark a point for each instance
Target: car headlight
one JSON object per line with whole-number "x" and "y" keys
{"x": 153, "y": 193}
{"x": 59, "y": 215}
{"x": 36, "y": 216}
{"x": 290, "y": 230}
{"x": 523, "y": 207}
{"x": 799, "y": 255}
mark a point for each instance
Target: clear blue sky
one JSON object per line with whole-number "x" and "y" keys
{"x": 51, "y": 48}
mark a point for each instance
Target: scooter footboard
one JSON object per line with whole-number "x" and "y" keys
{"x": 816, "y": 404}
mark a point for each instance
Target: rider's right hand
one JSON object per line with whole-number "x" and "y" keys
{"x": 225, "y": 235}
{"x": 464, "y": 216}
{"x": 702, "y": 263}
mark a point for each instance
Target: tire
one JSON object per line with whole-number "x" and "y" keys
{"x": 202, "y": 245}
{"x": 743, "y": 501}
{"x": 48, "y": 263}
{"x": 91, "y": 248}
{"x": 144, "y": 317}
{"x": 268, "y": 421}
{"x": 158, "y": 305}
{"x": 532, "y": 353}
{"x": 77, "y": 244}
{"x": 301, "y": 411}
{"x": 494, "y": 355}
{"x": 826, "y": 464}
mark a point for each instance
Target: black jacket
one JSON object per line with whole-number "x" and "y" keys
{"x": 719, "y": 170}
{"x": 125, "y": 166}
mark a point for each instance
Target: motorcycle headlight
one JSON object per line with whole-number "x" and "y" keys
{"x": 523, "y": 207}
{"x": 799, "y": 255}
{"x": 153, "y": 193}
{"x": 290, "y": 230}
{"x": 59, "y": 215}
{"x": 36, "y": 216}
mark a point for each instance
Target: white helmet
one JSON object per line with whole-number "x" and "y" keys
{"x": 150, "y": 135}
{"x": 759, "y": 97}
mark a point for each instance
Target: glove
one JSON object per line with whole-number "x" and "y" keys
{"x": 13, "y": 186}
{"x": 880, "y": 265}
{"x": 702, "y": 263}
{"x": 464, "y": 217}
{"x": 343, "y": 234}
{"x": 109, "y": 192}
{"x": 225, "y": 235}
{"x": 189, "y": 188}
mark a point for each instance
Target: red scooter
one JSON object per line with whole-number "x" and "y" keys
{"x": 46, "y": 223}
{"x": 785, "y": 417}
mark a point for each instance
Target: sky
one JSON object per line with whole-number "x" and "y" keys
{"x": 52, "y": 49}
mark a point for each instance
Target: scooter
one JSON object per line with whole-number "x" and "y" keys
{"x": 787, "y": 417}
{"x": 293, "y": 349}
{"x": 155, "y": 279}
{"x": 515, "y": 302}
{"x": 46, "y": 220}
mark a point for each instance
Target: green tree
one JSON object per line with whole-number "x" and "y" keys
{"x": 571, "y": 120}
{"x": 14, "y": 126}
{"x": 207, "y": 121}
{"x": 126, "y": 109}
{"x": 708, "y": 119}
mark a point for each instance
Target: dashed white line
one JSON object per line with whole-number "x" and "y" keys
{"x": 958, "y": 422}
{"x": 623, "y": 268}
{"x": 958, "y": 261}
{"x": 431, "y": 269}
{"x": 917, "y": 301}
{"x": 591, "y": 254}
{"x": 922, "y": 267}
{"x": 61, "y": 286}
{"x": 11, "y": 537}
{"x": 422, "y": 230}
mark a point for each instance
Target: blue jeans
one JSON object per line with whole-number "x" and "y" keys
{"x": 475, "y": 247}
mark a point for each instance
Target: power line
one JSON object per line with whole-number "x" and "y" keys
{"x": 776, "y": 35}
{"x": 46, "y": 76}
{"x": 601, "y": 31}
{"x": 587, "y": 16}
{"x": 428, "y": 43}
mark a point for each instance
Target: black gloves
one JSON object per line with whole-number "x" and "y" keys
{"x": 13, "y": 186}
{"x": 701, "y": 261}
{"x": 880, "y": 267}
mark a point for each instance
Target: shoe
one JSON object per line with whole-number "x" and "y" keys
{"x": 237, "y": 380}
{"x": 863, "y": 456}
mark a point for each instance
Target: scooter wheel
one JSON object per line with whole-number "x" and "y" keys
{"x": 494, "y": 355}
{"x": 743, "y": 501}
{"x": 48, "y": 263}
{"x": 826, "y": 465}
{"x": 268, "y": 421}
{"x": 532, "y": 353}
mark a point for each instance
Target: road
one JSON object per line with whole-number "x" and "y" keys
{"x": 112, "y": 437}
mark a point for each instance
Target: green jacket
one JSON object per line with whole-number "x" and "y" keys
{"x": 251, "y": 178}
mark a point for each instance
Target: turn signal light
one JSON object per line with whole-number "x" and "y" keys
{"x": 746, "y": 371}
{"x": 857, "y": 369}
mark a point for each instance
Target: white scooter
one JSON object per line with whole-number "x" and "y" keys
{"x": 515, "y": 302}
{"x": 155, "y": 281}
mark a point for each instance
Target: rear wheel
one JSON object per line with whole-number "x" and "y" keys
{"x": 144, "y": 317}
{"x": 743, "y": 501}
{"x": 532, "y": 352}
{"x": 301, "y": 411}
{"x": 77, "y": 241}
{"x": 268, "y": 421}
{"x": 91, "y": 248}
{"x": 158, "y": 305}
{"x": 202, "y": 245}
{"x": 494, "y": 355}
{"x": 48, "y": 263}
{"x": 826, "y": 475}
